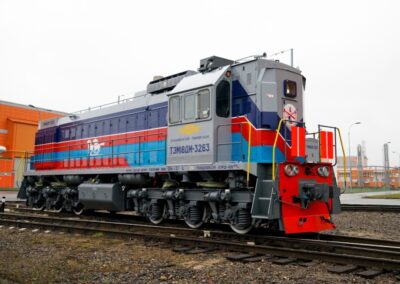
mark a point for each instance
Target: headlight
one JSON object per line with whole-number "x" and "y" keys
{"x": 323, "y": 171}
{"x": 291, "y": 170}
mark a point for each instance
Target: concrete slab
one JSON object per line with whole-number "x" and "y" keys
{"x": 358, "y": 198}
{"x": 239, "y": 257}
{"x": 9, "y": 195}
{"x": 343, "y": 268}
{"x": 369, "y": 274}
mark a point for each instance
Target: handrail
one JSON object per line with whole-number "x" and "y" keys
{"x": 274, "y": 148}
{"x": 248, "y": 154}
{"x": 344, "y": 159}
{"x": 105, "y": 105}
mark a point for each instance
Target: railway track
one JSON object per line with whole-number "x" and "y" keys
{"x": 384, "y": 255}
{"x": 371, "y": 208}
{"x": 345, "y": 207}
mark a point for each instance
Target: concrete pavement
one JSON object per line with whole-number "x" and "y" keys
{"x": 358, "y": 198}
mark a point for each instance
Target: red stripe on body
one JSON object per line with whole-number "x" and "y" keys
{"x": 150, "y": 135}
{"x": 83, "y": 163}
{"x": 259, "y": 137}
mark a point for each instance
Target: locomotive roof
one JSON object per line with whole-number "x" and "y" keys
{"x": 199, "y": 80}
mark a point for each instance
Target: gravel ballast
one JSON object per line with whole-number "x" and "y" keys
{"x": 54, "y": 257}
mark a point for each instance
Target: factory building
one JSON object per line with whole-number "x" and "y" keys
{"x": 18, "y": 125}
{"x": 362, "y": 175}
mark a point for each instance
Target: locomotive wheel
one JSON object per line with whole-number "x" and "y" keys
{"x": 243, "y": 222}
{"x": 40, "y": 206}
{"x": 157, "y": 219}
{"x": 78, "y": 210}
{"x": 196, "y": 217}
{"x": 239, "y": 230}
{"x": 58, "y": 208}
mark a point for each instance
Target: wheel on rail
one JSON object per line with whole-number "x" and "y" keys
{"x": 39, "y": 206}
{"x": 242, "y": 222}
{"x": 196, "y": 216}
{"x": 58, "y": 208}
{"x": 78, "y": 210}
{"x": 157, "y": 213}
{"x": 239, "y": 230}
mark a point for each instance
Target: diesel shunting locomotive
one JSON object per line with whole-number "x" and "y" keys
{"x": 225, "y": 144}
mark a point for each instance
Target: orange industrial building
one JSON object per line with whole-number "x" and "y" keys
{"x": 365, "y": 176}
{"x": 18, "y": 125}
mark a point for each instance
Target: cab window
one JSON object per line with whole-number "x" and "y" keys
{"x": 290, "y": 89}
{"x": 174, "y": 109}
{"x": 203, "y": 104}
{"x": 189, "y": 106}
{"x": 223, "y": 99}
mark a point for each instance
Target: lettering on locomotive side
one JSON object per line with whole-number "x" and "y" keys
{"x": 186, "y": 149}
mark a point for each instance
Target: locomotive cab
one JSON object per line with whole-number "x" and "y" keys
{"x": 197, "y": 107}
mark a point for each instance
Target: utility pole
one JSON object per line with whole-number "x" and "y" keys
{"x": 386, "y": 164}
{"x": 350, "y": 175}
{"x": 360, "y": 180}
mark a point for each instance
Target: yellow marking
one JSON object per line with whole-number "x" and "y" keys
{"x": 189, "y": 129}
{"x": 274, "y": 149}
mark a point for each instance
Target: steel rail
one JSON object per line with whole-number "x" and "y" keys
{"x": 220, "y": 230}
{"x": 370, "y": 208}
{"x": 303, "y": 249}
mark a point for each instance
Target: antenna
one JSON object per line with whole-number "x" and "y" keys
{"x": 283, "y": 51}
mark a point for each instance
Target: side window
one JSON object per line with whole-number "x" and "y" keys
{"x": 290, "y": 88}
{"x": 174, "y": 109}
{"x": 223, "y": 99}
{"x": 189, "y": 106}
{"x": 203, "y": 104}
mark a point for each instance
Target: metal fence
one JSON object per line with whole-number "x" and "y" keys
{"x": 371, "y": 177}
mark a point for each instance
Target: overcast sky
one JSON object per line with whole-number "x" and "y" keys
{"x": 69, "y": 55}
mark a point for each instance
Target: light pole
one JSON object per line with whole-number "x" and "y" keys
{"x": 355, "y": 123}
{"x": 386, "y": 162}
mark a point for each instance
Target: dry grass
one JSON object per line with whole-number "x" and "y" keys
{"x": 385, "y": 196}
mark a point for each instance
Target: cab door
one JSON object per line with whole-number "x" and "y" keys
{"x": 223, "y": 120}
{"x": 190, "y": 129}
